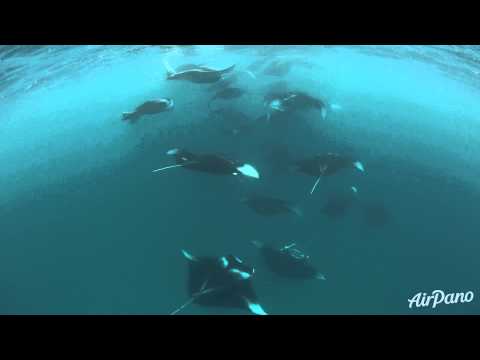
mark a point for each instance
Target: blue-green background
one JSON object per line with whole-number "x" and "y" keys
{"x": 86, "y": 228}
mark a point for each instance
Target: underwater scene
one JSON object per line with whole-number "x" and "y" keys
{"x": 239, "y": 180}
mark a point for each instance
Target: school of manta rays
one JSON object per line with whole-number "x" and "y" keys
{"x": 226, "y": 281}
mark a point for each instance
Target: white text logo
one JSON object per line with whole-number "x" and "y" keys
{"x": 439, "y": 297}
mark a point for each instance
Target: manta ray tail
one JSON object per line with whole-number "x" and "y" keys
{"x": 201, "y": 292}
{"x": 188, "y": 302}
{"x": 172, "y": 152}
{"x": 129, "y": 116}
{"x": 315, "y": 185}
{"x": 168, "y": 167}
{"x": 170, "y": 70}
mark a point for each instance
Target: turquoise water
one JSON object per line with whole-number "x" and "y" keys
{"x": 88, "y": 229}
